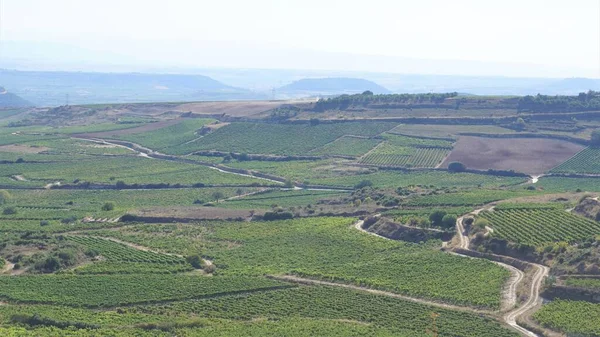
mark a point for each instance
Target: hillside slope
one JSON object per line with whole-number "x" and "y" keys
{"x": 331, "y": 86}
{"x": 10, "y": 100}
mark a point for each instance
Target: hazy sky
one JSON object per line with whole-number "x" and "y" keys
{"x": 533, "y": 35}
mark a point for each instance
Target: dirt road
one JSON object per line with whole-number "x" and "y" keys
{"x": 534, "y": 295}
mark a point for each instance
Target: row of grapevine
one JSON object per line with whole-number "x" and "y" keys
{"x": 114, "y": 251}
{"x": 413, "y": 157}
{"x": 540, "y": 226}
{"x": 586, "y": 161}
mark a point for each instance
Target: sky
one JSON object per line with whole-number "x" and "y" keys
{"x": 509, "y": 37}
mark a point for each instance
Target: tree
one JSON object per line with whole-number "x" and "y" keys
{"x": 436, "y": 217}
{"x": 367, "y": 93}
{"x": 595, "y": 140}
{"x": 481, "y": 223}
{"x": 195, "y": 261}
{"x": 448, "y": 221}
{"x": 108, "y": 206}
{"x": 218, "y": 195}
{"x": 456, "y": 166}
{"x": 239, "y": 192}
{"x": 4, "y": 197}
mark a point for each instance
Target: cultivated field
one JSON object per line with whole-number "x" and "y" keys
{"x": 528, "y": 155}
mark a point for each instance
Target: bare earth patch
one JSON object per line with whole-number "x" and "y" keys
{"x": 238, "y": 108}
{"x": 23, "y": 148}
{"x": 528, "y": 155}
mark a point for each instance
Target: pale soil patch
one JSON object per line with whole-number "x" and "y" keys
{"x": 533, "y": 156}
{"x": 570, "y": 197}
{"x": 16, "y": 148}
{"x": 18, "y": 178}
{"x": 238, "y": 108}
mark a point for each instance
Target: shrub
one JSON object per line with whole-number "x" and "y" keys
{"x": 4, "y": 197}
{"x": 436, "y": 217}
{"x": 9, "y": 211}
{"x": 108, "y": 206}
{"x": 128, "y": 217}
{"x": 270, "y": 216}
{"x": 48, "y": 265}
{"x": 195, "y": 261}
{"x": 69, "y": 220}
{"x": 44, "y": 223}
{"x": 456, "y": 166}
{"x": 362, "y": 184}
{"x": 482, "y": 223}
{"x": 448, "y": 221}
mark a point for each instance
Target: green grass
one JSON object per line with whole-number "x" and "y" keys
{"x": 289, "y": 198}
{"x": 170, "y": 136}
{"x": 592, "y": 283}
{"x": 577, "y": 318}
{"x": 347, "y": 146}
{"x": 331, "y": 249}
{"x": 564, "y": 184}
{"x": 467, "y": 198}
{"x": 447, "y": 131}
{"x": 279, "y": 139}
{"x": 118, "y": 290}
{"x": 586, "y": 161}
{"x": 540, "y": 226}
{"x": 131, "y": 170}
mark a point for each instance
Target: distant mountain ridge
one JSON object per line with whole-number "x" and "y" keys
{"x": 10, "y": 100}
{"x": 52, "y": 88}
{"x": 332, "y": 85}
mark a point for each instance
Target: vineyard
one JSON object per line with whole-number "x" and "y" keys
{"x": 408, "y": 157}
{"x": 169, "y": 136}
{"x": 592, "y": 283}
{"x": 586, "y": 161}
{"x": 119, "y": 290}
{"x": 540, "y": 226}
{"x": 574, "y": 317}
{"x": 329, "y": 249}
{"x": 401, "y": 318}
{"x": 560, "y": 184}
{"x": 347, "y": 146}
{"x": 468, "y": 198}
{"x": 114, "y": 251}
{"x": 278, "y": 138}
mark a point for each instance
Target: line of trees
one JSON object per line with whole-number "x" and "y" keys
{"x": 543, "y": 103}
{"x": 342, "y": 102}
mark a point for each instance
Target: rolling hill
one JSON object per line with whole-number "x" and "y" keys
{"x": 331, "y": 86}
{"x": 10, "y": 100}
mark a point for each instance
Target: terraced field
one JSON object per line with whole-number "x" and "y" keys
{"x": 540, "y": 226}
{"x": 347, "y": 146}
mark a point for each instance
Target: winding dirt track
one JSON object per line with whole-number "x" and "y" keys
{"x": 534, "y": 295}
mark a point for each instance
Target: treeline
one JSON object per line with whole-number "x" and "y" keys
{"x": 543, "y": 103}
{"x": 367, "y": 98}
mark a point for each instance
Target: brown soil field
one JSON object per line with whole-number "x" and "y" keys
{"x": 533, "y": 156}
{"x": 140, "y": 129}
{"x": 22, "y": 148}
{"x": 236, "y": 109}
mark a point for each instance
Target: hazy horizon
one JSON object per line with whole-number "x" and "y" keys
{"x": 547, "y": 39}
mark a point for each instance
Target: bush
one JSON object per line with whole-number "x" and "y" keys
{"x": 108, "y": 206}
{"x": 270, "y": 216}
{"x": 482, "y": 223}
{"x": 448, "y": 221}
{"x": 69, "y": 220}
{"x": 48, "y": 265}
{"x": 362, "y": 184}
{"x": 9, "y": 211}
{"x": 195, "y": 261}
{"x": 4, "y": 197}
{"x": 456, "y": 166}
{"x": 436, "y": 217}
{"x": 44, "y": 223}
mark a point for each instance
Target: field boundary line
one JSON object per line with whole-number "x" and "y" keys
{"x": 307, "y": 281}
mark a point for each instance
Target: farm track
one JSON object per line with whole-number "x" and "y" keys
{"x": 510, "y": 300}
{"x": 534, "y": 294}
{"x": 301, "y": 280}
{"x": 151, "y": 154}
